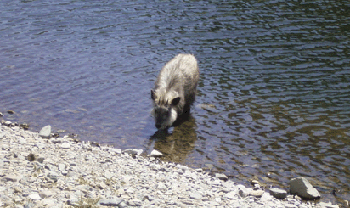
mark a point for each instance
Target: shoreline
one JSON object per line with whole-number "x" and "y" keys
{"x": 62, "y": 172}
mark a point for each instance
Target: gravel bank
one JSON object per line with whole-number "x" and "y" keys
{"x": 61, "y": 172}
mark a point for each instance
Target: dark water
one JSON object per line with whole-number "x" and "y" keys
{"x": 273, "y": 101}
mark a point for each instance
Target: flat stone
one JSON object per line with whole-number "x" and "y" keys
{"x": 156, "y": 153}
{"x": 46, "y": 194}
{"x": 256, "y": 193}
{"x": 221, "y": 176}
{"x": 300, "y": 186}
{"x": 12, "y": 178}
{"x": 34, "y": 196}
{"x": 49, "y": 202}
{"x": 133, "y": 151}
{"x": 65, "y": 145}
{"x": 278, "y": 193}
{"x": 45, "y": 132}
{"x": 7, "y": 123}
{"x": 195, "y": 195}
{"x": 327, "y": 205}
{"x": 109, "y": 202}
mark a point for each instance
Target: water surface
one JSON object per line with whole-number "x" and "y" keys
{"x": 273, "y": 100}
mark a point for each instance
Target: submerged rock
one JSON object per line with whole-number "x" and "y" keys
{"x": 11, "y": 112}
{"x": 300, "y": 186}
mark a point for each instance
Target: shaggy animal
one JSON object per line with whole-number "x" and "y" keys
{"x": 175, "y": 89}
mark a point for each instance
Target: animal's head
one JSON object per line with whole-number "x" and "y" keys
{"x": 163, "y": 111}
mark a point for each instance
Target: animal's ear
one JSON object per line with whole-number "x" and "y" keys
{"x": 153, "y": 96}
{"x": 175, "y": 101}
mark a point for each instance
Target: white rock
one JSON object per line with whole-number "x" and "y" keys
{"x": 110, "y": 202}
{"x": 256, "y": 193}
{"x": 301, "y": 187}
{"x": 155, "y": 153}
{"x": 34, "y": 196}
{"x": 65, "y": 145}
{"x": 61, "y": 167}
{"x": 195, "y": 195}
{"x": 45, "y": 132}
{"x": 327, "y": 205}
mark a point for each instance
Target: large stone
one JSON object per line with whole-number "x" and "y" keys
{"x": 300, "y": 186}
{"x": 45, "y": 132}
{"x": 278, "y": 193}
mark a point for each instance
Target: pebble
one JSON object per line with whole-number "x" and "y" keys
{"x": 278, "y": 193}
{"x": 41, "y": 172}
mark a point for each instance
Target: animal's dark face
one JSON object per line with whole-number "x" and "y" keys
{"x": 161, "y": 116}
{"x": 163, "y": 111}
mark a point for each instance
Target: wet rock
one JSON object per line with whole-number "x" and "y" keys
{"x": 24, "y": 126}
{"x": 1, "y": 115}
{"x": 255, "y": 184}
{"x": 300, "y": 186}
{"x": 45, "y": 132}
{"x": 55, "y": 135}
{"x": 221, "y": 176}
{"x": 278, "y": 193}
{"x": 11, "y": 112}
{"x": 7, "y": 123}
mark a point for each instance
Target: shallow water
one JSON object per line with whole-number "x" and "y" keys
{"x": 273, "y": 100}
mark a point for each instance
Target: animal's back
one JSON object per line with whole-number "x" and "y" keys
{"x": 180, "y": 74}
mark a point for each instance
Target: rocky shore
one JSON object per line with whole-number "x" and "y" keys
{"x": 41, "y": 171}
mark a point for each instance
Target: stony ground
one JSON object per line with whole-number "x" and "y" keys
{"x": 61, "y": 172}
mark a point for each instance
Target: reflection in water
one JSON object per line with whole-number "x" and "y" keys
{"x": 179, "y": 144}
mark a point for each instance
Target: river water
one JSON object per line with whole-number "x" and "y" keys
{"x": 273, "y": 100}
